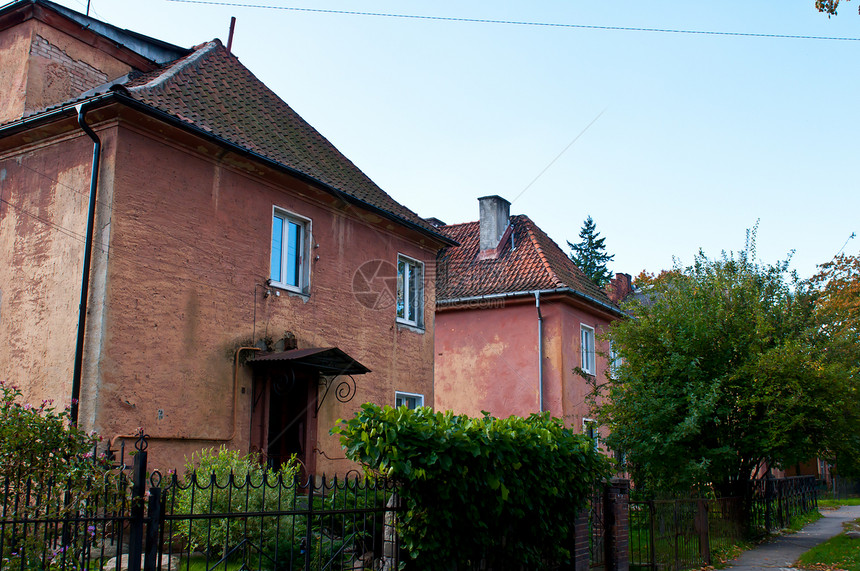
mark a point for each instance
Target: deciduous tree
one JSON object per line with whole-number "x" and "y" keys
{"x": 724, "y": 372}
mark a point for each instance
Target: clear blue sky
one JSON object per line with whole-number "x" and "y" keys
{"x": 698, "y": 136}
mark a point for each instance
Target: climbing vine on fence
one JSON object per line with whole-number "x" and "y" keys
{"x": 478, "y": 491}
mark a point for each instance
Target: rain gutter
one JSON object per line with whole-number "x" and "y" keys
{"x": 507, "y": 295}
{"x": 238, "y": 149}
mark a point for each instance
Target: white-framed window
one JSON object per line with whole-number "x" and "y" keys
{"x": 289, "y": 267}
{"x": 615, "y": 359}
{"x": 586, "y": 346}
{"x": 589, "y": 429}
{"x": 409, "y": 400}
{"x": 410, "y": 291}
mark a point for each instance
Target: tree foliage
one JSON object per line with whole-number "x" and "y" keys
{"x": 837, "y": 286}
{"x": 502, "y": 491}
{"x": 828, "y": 6}
{"x": 725, "y": 371}
{"x": 589, "y": 254}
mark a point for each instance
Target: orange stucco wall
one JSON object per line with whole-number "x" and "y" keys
{"x": 43, "y": 203}
{"x": 487, "y": 358}
{"x": 186, "y": 235}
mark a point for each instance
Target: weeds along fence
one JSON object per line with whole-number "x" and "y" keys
{"x": 199, "y": 523}
{"x": 689, "y": 533}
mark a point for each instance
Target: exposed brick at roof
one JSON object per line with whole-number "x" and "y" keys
{"x": 211, "y": 90}
{"x": 535, "y": 262}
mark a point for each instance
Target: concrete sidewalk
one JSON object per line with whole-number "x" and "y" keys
{"x": 784, "y": 551}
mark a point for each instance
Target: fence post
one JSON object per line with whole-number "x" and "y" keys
{"x": 615, "y": 525}
{"x": 703, "y": 523}
{"x": 152, "y": 529}
{"x": 768, "y": 503}
{"x": 138, "y": 490}
{"x": 581, "y": 552}
{"x": 309, "y": 537}
{"x": 652, "y": 530}
{"x": 608, "y": 528}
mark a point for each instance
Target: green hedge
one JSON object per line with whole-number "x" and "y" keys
{"x": 500, "y": 493}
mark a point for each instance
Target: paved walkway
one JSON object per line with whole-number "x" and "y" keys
{"x": 784, "y": 551}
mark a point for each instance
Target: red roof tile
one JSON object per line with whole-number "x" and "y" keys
{"x": 529, "y": 261}
{"x": 211, "y": 90}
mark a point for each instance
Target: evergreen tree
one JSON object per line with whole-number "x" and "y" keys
{"x": 590, "y": 255}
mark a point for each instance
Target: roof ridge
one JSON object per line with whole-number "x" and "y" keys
{"x": 460, "y": 224}
{"x": 177, "y": 66}
{"x": 530, "y": 228}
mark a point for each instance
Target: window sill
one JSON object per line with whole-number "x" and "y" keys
{"x": 305, "y": 293}
{"x": 409, "y": 327}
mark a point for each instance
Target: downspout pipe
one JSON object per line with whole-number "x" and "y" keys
{"x": 540, "y": 352}
{"x": 85, "y": 275}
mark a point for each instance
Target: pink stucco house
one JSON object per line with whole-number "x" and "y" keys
{"x": 518, "y": 325}
{"x": 181, "y": 252}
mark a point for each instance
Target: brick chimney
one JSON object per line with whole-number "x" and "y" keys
{"x": 619, "y": 287}
{"x": 495, "y": 218}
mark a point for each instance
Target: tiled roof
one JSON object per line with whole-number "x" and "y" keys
{"x": 211, "y": 90}
{"x": 529, "y": 261}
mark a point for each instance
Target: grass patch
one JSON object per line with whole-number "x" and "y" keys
{"x": 827, "y": 503}
{"x": 801, "y": 521}
{"x": 840, "y": 552}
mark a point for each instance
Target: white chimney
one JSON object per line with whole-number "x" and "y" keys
{"x": 495, "y": 215}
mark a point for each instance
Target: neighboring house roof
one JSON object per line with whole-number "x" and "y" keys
{"x": 529, "y": 261}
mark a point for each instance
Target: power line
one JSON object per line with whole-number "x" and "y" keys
{"x": 552, "y": 162}
{"x": 519, "y": 22}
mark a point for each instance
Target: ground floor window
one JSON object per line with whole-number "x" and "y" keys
{"x": 409, "y": 400}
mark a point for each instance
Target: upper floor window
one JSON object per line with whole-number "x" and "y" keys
{"x": 410, "y": 291}
{"x": 586, "y": 346}
{"x": 409, "y": 400}
{"x": 289, "y": 266}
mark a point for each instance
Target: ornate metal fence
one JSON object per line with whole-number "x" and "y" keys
{"x": 200, "y": 523}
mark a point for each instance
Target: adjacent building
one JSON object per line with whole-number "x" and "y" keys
{"x": 518, "y": 324}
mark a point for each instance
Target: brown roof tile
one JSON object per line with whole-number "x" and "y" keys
{"x": 529, "y": 261}
{"x": 211, "y": 90}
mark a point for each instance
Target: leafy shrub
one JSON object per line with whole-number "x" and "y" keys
{"x": 223, "y": 481}
{"x": 500, "y": 493}
{"x": 48, "y": 470}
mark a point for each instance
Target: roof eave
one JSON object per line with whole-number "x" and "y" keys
{"x": 117, "y": 96}
{"x": 507, "y": 295}
{"x": 155, "y": 112}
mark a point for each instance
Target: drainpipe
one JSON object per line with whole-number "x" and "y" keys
{"x": 540, "y": 352}
{"x": 85, "y": 277}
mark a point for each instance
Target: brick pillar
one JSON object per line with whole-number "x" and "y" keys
{"x": 581, "y": 552}
{"x": 616, "y": 497}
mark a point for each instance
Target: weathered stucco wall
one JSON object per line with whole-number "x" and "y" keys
{"x": 487, "y": 359}
{"x": 14, "y": 52}
{"x": 44, "y": 66}
{"x": 190, "y": 246}
{"x": 43, "y": 206}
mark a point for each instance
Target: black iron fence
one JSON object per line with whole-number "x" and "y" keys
{"x": 689, "y": 533}
{"x": 200, "y": 523}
